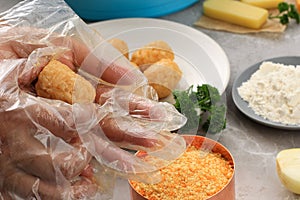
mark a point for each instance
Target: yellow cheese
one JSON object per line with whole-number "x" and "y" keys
{"x": 236, "y": 12}
{"x": 263, "y": 3}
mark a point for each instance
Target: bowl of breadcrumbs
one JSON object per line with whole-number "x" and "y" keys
{"x": 204, "y": 171}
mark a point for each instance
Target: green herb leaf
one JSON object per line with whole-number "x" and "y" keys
{"x": 216, "y": 121}
{"x": 284, "y": 19}
{"x": 293, "y": 13}
{"x": 186, "y": 102}
{"x": 283, "y": 6}
{"x": 286, "y": 12}
{"x": 203, "y": 108}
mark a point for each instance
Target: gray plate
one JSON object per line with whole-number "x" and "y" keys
{"x": 243, "y": 105}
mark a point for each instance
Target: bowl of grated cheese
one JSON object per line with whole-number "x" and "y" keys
{"x": 268, "y": 92}
{"x": 204, "y": 171}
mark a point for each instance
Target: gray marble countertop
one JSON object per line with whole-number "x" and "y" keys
{"x": 253, "y": 146}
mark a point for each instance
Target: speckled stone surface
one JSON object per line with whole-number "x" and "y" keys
{"x": 253, "y": 146}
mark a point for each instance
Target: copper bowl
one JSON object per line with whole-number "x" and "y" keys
{"x": 228, "y": 191}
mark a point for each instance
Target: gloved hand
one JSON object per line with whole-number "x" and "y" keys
{"x": 39, "y": 151}
{"x": 47, "y": 146}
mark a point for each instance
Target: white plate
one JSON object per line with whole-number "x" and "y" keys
{"x": 243, "y": 105}
{"x": 200, "y": 58}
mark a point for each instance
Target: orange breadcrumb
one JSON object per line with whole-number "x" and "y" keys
{"x": 195, "y": 175}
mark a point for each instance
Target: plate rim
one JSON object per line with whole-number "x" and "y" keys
{"x": 238, "y": 101}
{"x": 159, "y": 23}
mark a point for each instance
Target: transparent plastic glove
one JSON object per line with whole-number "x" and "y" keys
{"x": 132, "y": 121}
{"x": 36, "y": 160}
{"x": 79, "y": 133}
{"x": 51, "y": 126}
{"x": 52, "y": 154}
{"x": 159, "y": 116}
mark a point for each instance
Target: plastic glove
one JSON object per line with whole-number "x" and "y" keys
{"x": 34, "y": 159}
{"x": 47, "y": 146}
{"x": 72, "y": 52}
{"x": 60, "y": 139}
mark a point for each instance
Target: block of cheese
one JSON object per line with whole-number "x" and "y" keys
{"x": 236, "y": 12}
{"x": 263, "y": 3}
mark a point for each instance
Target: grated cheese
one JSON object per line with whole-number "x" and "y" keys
{"x": 273, "y": 92}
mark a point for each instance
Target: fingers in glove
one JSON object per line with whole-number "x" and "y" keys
{"x": 81, "y": 56}
{"x": 33, "y": 187}
{"x": 116, "y": 134}
{"x": 22, "y": 41}
{"x": 27, "y": 186}
{"x": 84, "y": 188}
{"x": 54, "y": 116}
{"x": 38, "y": 59}
{"x": 73, "y": 162}
{"x": 137, "y": 106}
{"x": 25, "y": 151}
{"x": 111, "y": 157}
{"x": 105, "y": 63}
{"x": 6, "y": 51}
{"x": 12, "y": 177}
{"x": 30, "y": 155}
{"x": 34, "y": 151}
{"x": 17, "y": 42}
{"x": 76, "y": 55}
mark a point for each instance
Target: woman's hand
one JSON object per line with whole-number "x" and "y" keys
{"x": 46, "y": 146}
{"x": 40, "y": 155}
{"x": 32, "y": 166}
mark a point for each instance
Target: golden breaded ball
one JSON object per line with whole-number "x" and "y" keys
{"x": 163, "y": 76}
{"x": 120, "y": 45}
{"x": 58, "y": 81}
{"x": 152, "y": 53}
